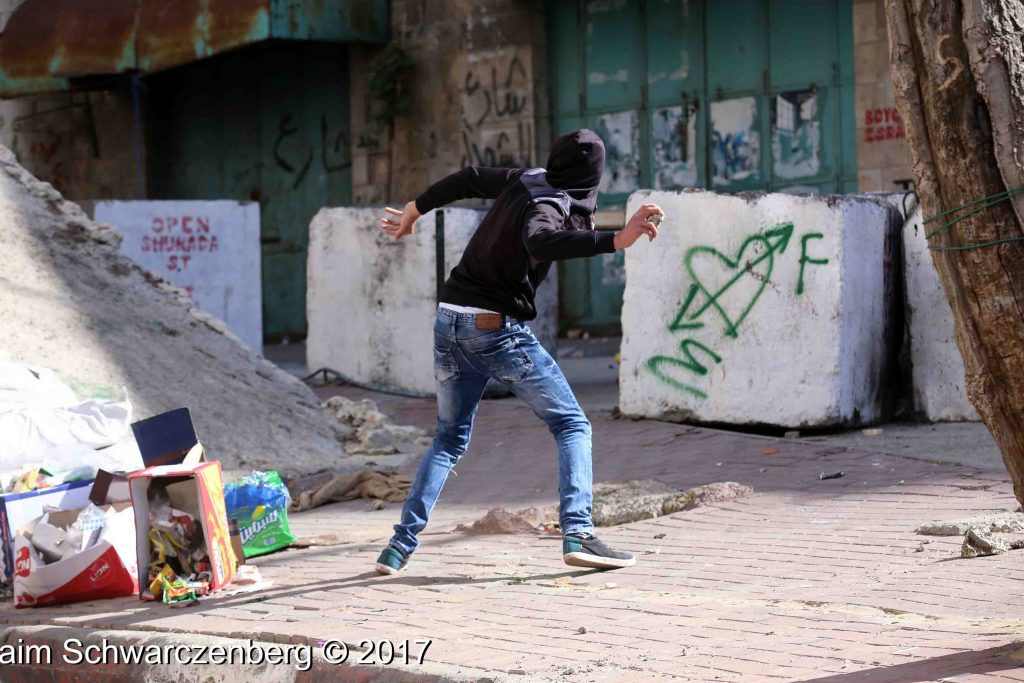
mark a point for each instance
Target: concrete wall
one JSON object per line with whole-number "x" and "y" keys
{"x": 883, "y": 155}
{"x": 211, "y": 249}
{"x": 371, "y": 301}
{"x": 760, "y": 309}
{"x": 479, "y": 93}
{"x": 937, "y": 366}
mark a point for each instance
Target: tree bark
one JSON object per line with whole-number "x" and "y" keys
{"x": 958, "y": 72}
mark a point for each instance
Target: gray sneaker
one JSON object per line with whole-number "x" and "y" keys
{"x": 586, "y": 550}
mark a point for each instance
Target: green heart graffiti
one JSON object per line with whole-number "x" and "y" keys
{"x": 774, "y": 242}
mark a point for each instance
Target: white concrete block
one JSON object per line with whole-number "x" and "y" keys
{"x": 937, "y": 366}
{"x": 371, "y": 301}
{"x": 209, "y": 248}
{"x": 760, "y": 309}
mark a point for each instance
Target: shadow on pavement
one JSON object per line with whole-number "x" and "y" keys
{"x": 1002, "y": 658}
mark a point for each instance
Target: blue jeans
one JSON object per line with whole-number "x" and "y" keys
{"x": 464, "y": 359}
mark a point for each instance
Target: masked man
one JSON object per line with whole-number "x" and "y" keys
{"x": 539, "y": 215}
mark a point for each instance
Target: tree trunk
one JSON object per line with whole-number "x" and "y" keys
{"x": 958, "y": 71}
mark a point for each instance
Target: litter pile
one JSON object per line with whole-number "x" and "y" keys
{"x": 163, "y": 524}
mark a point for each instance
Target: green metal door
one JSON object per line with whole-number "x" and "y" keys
{"x": 268, "y": 124}
{"x": 731, "y": 95}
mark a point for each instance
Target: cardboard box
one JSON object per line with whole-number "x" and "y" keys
{"x": 165, "y": 439}
{"x": 193, "y": 482}
{"x": 109, "y": 488}
{"x": 106, "y": 570}
{"x": 18, "y": 509}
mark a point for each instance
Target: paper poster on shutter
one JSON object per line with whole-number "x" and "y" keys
{"x": 674, "y": 143}
{"x": 796, "y": 134}
{"x": 621, "y": 136}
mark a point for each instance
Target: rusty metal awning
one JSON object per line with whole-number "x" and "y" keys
{"x": 48, "y": 44}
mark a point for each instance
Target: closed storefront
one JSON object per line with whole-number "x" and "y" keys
{"x": 730, "y": 95}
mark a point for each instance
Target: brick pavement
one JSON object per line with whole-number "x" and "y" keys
{"x": 807, "y": 580}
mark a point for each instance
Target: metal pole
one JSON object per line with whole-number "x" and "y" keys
{"x": 439, "y": 251}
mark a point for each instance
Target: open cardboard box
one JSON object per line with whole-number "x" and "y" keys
{"x": 106, "y": 570}
{"x": 194, "y": 486}
{"x": 18, "y": 509}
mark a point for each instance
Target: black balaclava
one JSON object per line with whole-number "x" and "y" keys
{"x": 575, "y": 165}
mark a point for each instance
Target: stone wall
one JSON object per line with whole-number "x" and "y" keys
{"x": 761, "y": 309}
{"x": 479, "y": 94}
{"x": 883, "y": 155}
{"x": 81, "y": 143}
{"x": 84, "y": 144}
{"x": 371, "y": 301}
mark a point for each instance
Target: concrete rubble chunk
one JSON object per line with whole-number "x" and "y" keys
{"x": 634, "y": 500}
{"x": 761, "y": 309}
{"x": 979, "y": 543}
{"x": 368, "y": 431}
{"x": 71, "y": 302}
{"x": 999, "y": 522}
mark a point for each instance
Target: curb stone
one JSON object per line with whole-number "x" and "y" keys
{"x": 54, "y": 638}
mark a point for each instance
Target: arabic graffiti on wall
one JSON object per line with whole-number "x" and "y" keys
{"x": 496, "y": 123}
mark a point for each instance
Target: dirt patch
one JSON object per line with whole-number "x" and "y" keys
{"x": 501, "y": 521}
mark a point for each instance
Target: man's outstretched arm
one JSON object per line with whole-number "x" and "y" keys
{"x": 547, "y": 240}
{"x": 471, "y": 182}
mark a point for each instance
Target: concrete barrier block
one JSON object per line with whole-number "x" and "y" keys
{"x": 761, "y": 309}
{"x": 371, "y": 301}
{"x": 209, "y": 248}
{"x": 937, "y": 366}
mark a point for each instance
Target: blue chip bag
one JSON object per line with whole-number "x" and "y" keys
{"x": 259, "y": 503}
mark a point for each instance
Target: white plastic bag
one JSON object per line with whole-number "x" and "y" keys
{"x": 42, "y": 422}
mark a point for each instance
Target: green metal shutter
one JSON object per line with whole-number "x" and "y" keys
{"x": 270, "y": 124}
{"x": 731, "y": 95}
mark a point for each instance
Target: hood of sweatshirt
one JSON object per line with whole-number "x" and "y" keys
{"x": 575, "y": 165}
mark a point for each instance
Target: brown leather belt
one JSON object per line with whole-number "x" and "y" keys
{"x": 489, "y": 321}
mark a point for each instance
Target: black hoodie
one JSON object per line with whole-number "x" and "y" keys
{"x": 539, "y": 216}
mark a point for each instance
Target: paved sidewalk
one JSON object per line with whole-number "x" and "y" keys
{"x": 807, "y": 580}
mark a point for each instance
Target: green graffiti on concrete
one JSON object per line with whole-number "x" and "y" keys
{"x": 805, "y": 259}
{"x": 690, "y": 363}
{"x": 755, "y": 258}
{"x": 774, "y": 241}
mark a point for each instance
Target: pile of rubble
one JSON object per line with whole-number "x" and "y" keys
{"x": 72, "y": 303}
{"x": 367, "y": 431}
{"x": 988, "y": 534}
